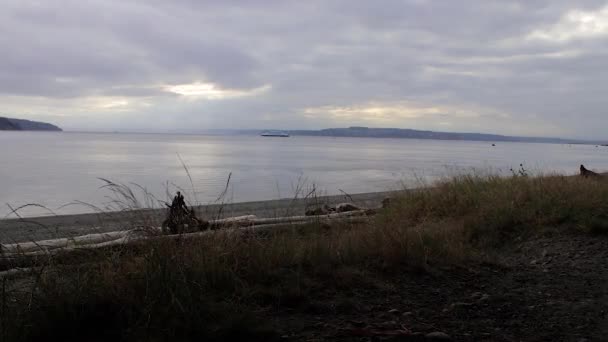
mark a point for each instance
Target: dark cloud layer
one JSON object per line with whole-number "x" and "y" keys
{"x": 533, "y": 67}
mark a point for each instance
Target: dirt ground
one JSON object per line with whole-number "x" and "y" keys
{"x": 546, "y": 289}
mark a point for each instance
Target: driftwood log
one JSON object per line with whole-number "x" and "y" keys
{"x": 99, "y": 240}
{"x": 338, "y": 208}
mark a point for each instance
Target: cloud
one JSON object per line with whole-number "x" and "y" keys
{"x": 575, "y": 24}
{"x": 517, "y": 67}
{"x": 390, "y": 113}
{"x": 454, "y": 116}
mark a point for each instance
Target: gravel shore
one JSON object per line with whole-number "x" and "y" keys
{"x": 50, "y": 227}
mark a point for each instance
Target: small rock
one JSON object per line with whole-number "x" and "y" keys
{"x": 533, "y": 262}
{"x": 388, "y": 324}
{"x": 394, "y": 311}
{"x": 484, "y": 297}
{"x": 438, "y": 336}
{"x": 407, "y": 313}
{"x": 476, "y": 295}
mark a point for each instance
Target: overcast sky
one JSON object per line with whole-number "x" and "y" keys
{"x": 529, "y": 67}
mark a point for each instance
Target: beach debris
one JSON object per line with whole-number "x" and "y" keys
{"x": 338, "y": 208}
{"x": 344, "y": 207}
{"x": 323, "y": 210}
{"x": 233, "y": 222}
{"x": 588, "y": 173}
{"x": 46, "y": 246}
{"x": 181, "y": 219}
{"x": 249, "y": 223}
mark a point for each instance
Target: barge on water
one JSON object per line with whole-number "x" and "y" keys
{"x": 281, "y": 134}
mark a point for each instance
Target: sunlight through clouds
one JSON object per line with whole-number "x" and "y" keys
{"x": 68, "y": 107}
{"x": 209, "y": 91}
{"x": 393, "y": 112}
{"x": 453, "y": 117}
{"x": 575, "y": 24}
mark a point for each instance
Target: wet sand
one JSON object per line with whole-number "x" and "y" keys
{"x": 50, "y": 227}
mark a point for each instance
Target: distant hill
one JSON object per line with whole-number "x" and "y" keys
{"x": 8, "y": 124}
{"x": 417, "y": 134}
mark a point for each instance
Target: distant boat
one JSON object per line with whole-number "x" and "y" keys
{"x": 275, "y": 134}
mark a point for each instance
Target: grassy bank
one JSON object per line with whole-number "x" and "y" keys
{"x": 222, "y": 286}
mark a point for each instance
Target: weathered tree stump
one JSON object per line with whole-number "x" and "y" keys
{"x": 182, "y": 219}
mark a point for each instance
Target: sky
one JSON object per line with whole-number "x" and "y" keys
{"x": 529, "y": 67}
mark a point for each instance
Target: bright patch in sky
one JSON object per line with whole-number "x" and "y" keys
{"x": 210, "y": 91}
{"x": 390, "y": 113}
{"x": 115, "y": 103}
{"x": 576, "y": 24}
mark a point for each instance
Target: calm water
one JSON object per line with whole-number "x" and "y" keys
{"x": 54, "y": 169}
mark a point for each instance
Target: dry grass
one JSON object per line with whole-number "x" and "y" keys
{"x": 208, "y": 288}
{"x": 494, "y": 210}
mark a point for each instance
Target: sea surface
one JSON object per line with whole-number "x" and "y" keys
{"x": 62, "y": 172}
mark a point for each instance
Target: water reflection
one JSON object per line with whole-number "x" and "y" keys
{"x": 56, "y": 168}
